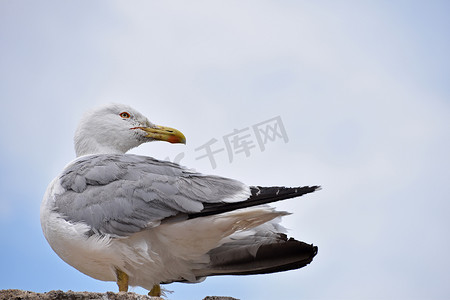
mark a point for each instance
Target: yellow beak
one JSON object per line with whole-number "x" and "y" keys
{"x": 163, "y": 133}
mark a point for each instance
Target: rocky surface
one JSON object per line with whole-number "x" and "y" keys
{"x": 70, "y": 295}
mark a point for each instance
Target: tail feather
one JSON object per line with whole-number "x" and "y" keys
{"x": 282, "y": 255}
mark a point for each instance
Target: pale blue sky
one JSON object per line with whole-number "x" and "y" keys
{"x": 362, "y": 89}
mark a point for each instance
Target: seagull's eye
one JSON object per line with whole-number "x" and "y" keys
{"x": 124, "y": 115}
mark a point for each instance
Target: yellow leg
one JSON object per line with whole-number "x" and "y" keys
{"x": 122, "y": 280}
{"x": 156, "y": 291}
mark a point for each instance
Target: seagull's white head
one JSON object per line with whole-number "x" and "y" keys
{"x": 116, "y": 128}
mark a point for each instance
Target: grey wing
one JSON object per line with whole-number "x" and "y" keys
{"x": 124, "y": 194}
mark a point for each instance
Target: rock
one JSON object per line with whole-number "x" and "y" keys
{"x": 70, "y": 295}
{"x": 219, "y": 298}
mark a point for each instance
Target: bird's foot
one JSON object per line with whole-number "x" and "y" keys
{"x": 155, "y": 291}
{"x": 122, "y": 280}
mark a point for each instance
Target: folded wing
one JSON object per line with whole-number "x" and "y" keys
{"x": 123, "y": 194}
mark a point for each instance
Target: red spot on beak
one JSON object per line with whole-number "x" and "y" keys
{"x": 173, "y": 139}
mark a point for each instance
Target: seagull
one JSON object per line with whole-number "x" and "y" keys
{"x": 139, "y": 221}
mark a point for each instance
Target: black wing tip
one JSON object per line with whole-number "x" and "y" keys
{"x": 304, "y": 252}
{"x": 317, "y": 187}
{"x": 281, "y": 192}
{"x": 259, "y": 196}
{"x": 285, "y": 255}
{"x": 314, "y": 252}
